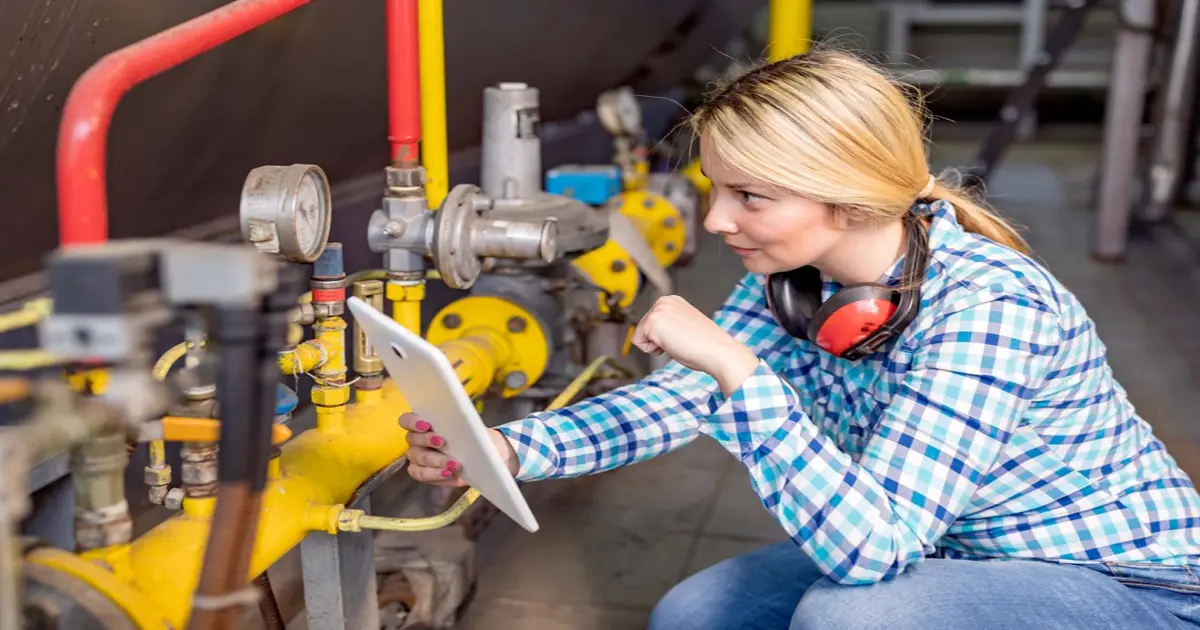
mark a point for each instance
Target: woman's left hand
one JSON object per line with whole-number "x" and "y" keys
{"x": 691, "y": 338}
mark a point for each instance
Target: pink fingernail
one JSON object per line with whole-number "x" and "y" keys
{"x": 445, "y": 473}
{"x": 423, "y": 426}
{"x": 452, "y": 465}
{"x": 437, "y": 440}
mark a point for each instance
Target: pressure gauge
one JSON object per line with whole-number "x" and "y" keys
{"x": 286, "y": 210}
{"x": 619, "y": 112}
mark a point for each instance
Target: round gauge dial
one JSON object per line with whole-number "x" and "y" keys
{"x": 286, "y": 210}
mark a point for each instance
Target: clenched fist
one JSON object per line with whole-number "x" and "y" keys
{"x": 675, "y": 327}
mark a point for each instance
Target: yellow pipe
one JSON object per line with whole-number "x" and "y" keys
{"x": 29, "y": 314}
{"x": 304, "y": 358}
{"x": 476, "y": 357}
{"x": 319, "y": 469}
{"x": 434, "y": 156}
{"x": 564, "y": 397}
{"x": 25, "y": 360}
{"x": 789, "y": 28}
{"x": 406, "y": 303}
{"x": 140, "y": 609}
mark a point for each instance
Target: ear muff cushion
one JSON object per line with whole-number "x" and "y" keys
{"x": 851, "y": 316}
{"x": 793, "y": 297}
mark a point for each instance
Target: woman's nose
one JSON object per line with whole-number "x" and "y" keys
{"x": 718, "y": 220}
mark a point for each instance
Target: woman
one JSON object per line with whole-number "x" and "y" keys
{"x": 950, "y": 450}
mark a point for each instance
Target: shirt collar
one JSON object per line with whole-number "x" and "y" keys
{"x": 943, "y": 224}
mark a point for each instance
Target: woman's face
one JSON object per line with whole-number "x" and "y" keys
{"x": 770, "y": 230}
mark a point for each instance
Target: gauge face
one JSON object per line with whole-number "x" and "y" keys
{"x": 309, "y": 217}
{"x": 286, "y": 211}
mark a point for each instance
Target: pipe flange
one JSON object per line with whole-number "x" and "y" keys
{"x": 528, "y": 336}
{"x": 451, "y": 251}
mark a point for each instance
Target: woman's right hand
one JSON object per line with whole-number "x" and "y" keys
{"x": 427, "y": 462}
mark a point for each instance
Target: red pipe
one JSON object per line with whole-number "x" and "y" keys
{"x": 404, "y": 82}
{"x": 83, "y": 133}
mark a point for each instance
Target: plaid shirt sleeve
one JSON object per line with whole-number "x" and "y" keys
{"x": 648, "y": 418}
{"x": 975, "y": 368}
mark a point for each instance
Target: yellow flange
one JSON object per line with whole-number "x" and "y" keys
{"x": 611, "y": 268}
{"x": 528, "y": 343}
{"x": 658, "y": 221}
{"x": 137, "y": 606}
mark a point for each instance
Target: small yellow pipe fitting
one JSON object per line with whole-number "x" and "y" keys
{"x": 303, "y": 358}
{"x": 406, "y": 303}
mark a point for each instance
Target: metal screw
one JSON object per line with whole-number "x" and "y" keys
{"x": 516, "y": 324}
{"x": 452, "y": 321}
{"x": 618, "y": 266}
{"x": 670, "y": 247}
{"x": 392, "y": 229}
{"x": 669, "y": 222}
{"x": 648, "y": 203}
{"x": 515, "y": 380}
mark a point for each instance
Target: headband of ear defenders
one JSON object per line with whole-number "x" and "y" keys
{"x": 860, "y": 318}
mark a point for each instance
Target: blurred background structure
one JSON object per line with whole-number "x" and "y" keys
{"x": 1096, "y": 158}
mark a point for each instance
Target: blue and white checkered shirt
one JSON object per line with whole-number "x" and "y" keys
{"x": 992, "y": 427}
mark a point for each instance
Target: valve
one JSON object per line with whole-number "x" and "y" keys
{"x": 458, "y": 236}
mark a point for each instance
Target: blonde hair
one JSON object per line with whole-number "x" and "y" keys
{"x": 831, "y": 127}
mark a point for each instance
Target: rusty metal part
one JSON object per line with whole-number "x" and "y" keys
{"x": 199, "y": 469}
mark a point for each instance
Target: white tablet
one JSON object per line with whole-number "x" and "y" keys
{"x": 428, "y": 382}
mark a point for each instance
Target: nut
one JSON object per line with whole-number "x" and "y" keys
{"x": 325, "y": 310}
{"x": 452, "y": 321}
{"x": 516, "y": 325}
{"x": 331, "y": 396}
{"x": 157, "y": 494}
{"x": 405, "y": 177}
{"x": 158, "y": 476}
{"x": 174, "y": 499}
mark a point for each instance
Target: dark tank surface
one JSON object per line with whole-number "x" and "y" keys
{"x": 309, "y": 87}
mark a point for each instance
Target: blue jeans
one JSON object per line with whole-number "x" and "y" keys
{"x": 779, "y": 588}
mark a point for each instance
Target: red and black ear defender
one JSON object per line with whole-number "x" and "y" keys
{"x": 859, "y": 318}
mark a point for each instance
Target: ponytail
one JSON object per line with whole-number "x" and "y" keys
{"x": 974, "y": 216}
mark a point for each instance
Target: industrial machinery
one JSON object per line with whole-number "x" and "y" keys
{"x": 550, "y": 272}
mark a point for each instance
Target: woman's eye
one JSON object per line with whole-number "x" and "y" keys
{"x": 749, "y": 197}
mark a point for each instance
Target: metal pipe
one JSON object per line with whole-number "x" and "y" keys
{"x": 87, "y": 115}
{"x": 789, "y": 28}
{"x": 404, "y": 82}
{"x": 1123, "y": 121}
{"x": 434, "y": 151}
{"x": 1171, "y": 142}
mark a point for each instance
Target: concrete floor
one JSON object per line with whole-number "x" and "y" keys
{"x": 612, "y": 544}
